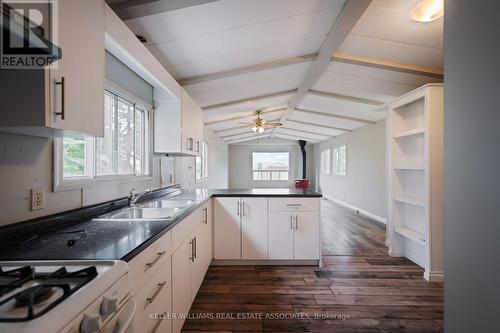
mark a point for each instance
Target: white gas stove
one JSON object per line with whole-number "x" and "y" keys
{"x": 65, "y": 296}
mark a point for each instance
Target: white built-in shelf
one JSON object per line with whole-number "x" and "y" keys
{"x": 407, "y": 133}
{"x": 411, "y": 234}
{"x": 410, "y": 200}
{"x": 408, "y": 167}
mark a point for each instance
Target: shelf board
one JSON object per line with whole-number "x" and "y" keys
{"x": 410, "y": 200}
{"x": 411, "y": 234}
{"x": 407, "y": 133}
{"x": 408, "y": 167}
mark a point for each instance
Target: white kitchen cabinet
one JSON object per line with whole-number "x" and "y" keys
{"x": 68, "y": 95}
{"x": 227, "y": 228}
{"x": 181, "y": 283}
{"x": 280, "y": 235}
{"x": 190, "y": 261}
{"x": 254, "y": 228}
{"x": 306, "y": 243}
{"x": 178, "y": 128}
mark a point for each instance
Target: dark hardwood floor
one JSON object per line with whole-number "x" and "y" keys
{"x": 359, "y": 289}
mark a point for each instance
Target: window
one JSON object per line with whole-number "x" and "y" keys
{"x": 124, "y": 149}
{"x": 202, "y": 163}
{"x": 270, "y": 166}
{"x": 340, "y": 161}
{"x": 326, "y": 161}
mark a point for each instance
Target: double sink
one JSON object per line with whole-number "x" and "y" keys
{"x": 163, "y": 209}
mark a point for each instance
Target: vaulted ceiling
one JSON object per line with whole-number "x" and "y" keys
{"x": 321, "y": 67}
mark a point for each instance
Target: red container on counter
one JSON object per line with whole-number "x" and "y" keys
{"x": 301, "y": 183}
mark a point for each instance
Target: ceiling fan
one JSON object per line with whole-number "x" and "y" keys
{"x": 259, "y": 124}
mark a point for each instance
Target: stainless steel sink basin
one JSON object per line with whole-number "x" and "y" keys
{"x": 168, "y": 204}
{"x": 141, "y": 213}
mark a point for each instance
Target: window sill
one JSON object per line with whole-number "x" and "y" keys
{"x": 73, "y": 184}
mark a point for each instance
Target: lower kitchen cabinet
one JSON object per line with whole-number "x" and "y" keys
{"x": 227, "y": 230}
{"x": 281, "y": 235}
{"x": 294, "y": 235}
{"x": 254, "y": 228}
{"x": 190, "y": 262}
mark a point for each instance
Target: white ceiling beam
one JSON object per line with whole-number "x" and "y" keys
{"x": 249, "y": 138}
{"x": 343, "y": 97}
{"x": 302, "y": 132}
{"x": 131, "y": 9}
{"x": 318, "y": 125}
{"x": 247, "y": 69}
{"x": 241, "y": 117}
{"x": 240, "y": 127}
{"x": 291, "y": 137}
{"x": 248, "y": 99}
{"x": 331, "y": 115}
{"x": 348, "y": 17}
{"x": 392, "y": 66}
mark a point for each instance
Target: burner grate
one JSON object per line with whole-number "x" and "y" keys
{"x": 68, "y": 282}
{"x": 15, "y": 278}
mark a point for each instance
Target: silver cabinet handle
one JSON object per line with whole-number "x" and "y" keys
{"x": 197, "y": 146}
{"x": 291, "y": 222}
{"x": 194, "y": 255}
{"x": 152, "y": 263}
{"x": 155, "y": 328}
{"x": 296, "y": 222}
{"x": 63, "y": 109}
{"x": 205, "y": 215}
{"x": 192, "y": 250}
{"x": 243, "y": 208}
{"x": 293, "y": 205}
{"x": 160, "y": 287}
{"x": 239, "y": 209}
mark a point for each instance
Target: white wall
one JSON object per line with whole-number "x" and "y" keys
{"x": 365, "y": 185}
{"x": 218, "y": 162}
{"x": 240, "y": 161}
{"x": 26, "y": 162}
{"x": 471, "y": 166}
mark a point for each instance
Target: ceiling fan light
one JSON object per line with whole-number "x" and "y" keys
{"x": 427, "y": 10}
{"x": 255, "y": 129}
{"x": 260, "y": 130}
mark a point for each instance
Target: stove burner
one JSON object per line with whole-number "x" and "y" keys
{"x": 33, "y": 295}
{"x": 62, "y": 281}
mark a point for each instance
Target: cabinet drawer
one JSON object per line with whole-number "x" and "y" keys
{"x": 146, "y": 263}
{"x": 155, "y": 297}
{"x": 182, "y": 230}
{"x": 294, "y": 204}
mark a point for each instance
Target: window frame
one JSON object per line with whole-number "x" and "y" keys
{"x": 326, "y": 153}
{"x": 204, "y": 172}
{"x": 270, "y": 180}
{"x": 62, "y": 183}
{"x": 336, "y": 160}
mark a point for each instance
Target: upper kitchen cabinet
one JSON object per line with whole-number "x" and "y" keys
{"x": 69, "y": 94}
{"x": 178, "y": 125}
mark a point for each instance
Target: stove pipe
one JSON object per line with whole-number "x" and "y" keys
{"x": 302, "y": 144}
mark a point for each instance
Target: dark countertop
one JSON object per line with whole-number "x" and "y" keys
{"x": 108, "y": 239}
{"x": 266, "y": 192}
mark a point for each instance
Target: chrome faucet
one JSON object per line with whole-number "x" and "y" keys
{"x": 132, "y": 197}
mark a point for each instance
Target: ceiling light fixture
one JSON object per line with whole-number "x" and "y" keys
{"x": 427, "y": 11}
{"x": 258, "y": 129}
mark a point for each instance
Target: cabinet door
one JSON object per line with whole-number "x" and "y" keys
{"x": 227, "y": 230}
{"x": 254, "y": 228}
{"x": 202, "y": 245}
{"x": 280, "y": 227}
{"x": 81, "y": 38}
{"x": 306, "y": 235}
{"x": 181, "y": 283}
{"x": 188, "y": 123}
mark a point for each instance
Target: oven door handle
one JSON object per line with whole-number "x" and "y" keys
{"x": 124, "y": 322}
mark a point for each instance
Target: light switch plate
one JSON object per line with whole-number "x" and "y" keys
{"x": 37, "y": 198}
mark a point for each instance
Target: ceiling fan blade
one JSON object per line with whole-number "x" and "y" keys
{"x": 273, "y": 125}
{"x": 246, "y": 123}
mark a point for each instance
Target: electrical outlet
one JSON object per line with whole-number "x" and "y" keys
{"x": 37, "y": 198}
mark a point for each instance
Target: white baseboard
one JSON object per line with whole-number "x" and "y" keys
{"x": 361, "y": 211}
{"x": 436, "y": 276}
{"x": 394, "y": 253}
